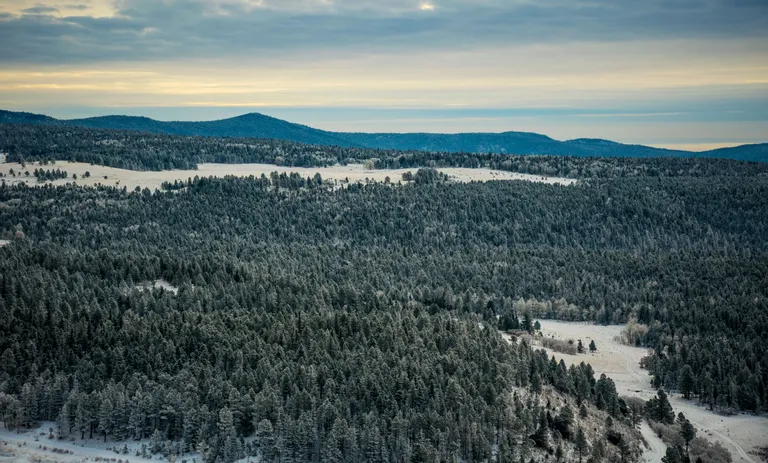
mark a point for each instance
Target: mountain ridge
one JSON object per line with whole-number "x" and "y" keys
{"x": 257, "y": 125}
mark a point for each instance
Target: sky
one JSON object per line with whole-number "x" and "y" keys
{"x": 679, "y": 73}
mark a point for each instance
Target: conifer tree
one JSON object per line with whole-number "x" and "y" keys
{"x": 106, "y": 411}
{"x": 582, "y": 446}
{"x": 63, "y": 421}
{"x": 686, "y": 382}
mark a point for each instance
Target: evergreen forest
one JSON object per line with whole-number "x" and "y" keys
{"x": 362, "y": 323}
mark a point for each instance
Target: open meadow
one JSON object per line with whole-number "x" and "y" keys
{"x": 351, "y": 173}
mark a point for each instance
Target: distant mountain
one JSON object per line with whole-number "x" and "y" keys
{"x": 260, "y": 126}
{"x": 757, "y": 152}
{"x": 11, "y": 117}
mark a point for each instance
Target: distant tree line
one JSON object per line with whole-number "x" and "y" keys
{"x": 147, "y": 151}
{"x": 47, "y": 175}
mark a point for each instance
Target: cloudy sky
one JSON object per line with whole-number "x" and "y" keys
{"x": 684, "y": 73}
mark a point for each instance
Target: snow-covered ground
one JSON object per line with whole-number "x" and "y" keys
{"x": 37, "y": 446}
{"x": 157, "y": 284}
{"x": 740, "y": 434}
{"x": 656, "y": 447}
{"x": 3, "y": 243}
{"x": 152, "y": 180}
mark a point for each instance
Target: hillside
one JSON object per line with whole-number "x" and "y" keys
{"x": 307, "y": 324}
{"x": 256, "y": 125}
{"x": 251, "y": 125}
{"x": 127, "y": 149}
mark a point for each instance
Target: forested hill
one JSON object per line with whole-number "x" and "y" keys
{"x": 134, "y": 150}
{"x": 342, "y": 325}
{"x": 261, "y": 126}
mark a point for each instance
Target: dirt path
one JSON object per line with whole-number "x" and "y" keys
{"x": 739, "y": 433}
{"x": 656, "y": 448}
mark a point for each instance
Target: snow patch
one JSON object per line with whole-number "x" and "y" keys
{"x": 337, "y": 174}
{"x": 157, "y": 284}
{"x": 40, "y": 445}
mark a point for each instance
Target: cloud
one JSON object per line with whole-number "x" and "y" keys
{"x": 220, "y": 28}
{"x": 621, "y": 63}
{"x": 40, "y": 10}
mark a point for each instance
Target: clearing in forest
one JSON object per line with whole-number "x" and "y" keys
{"x": 88, "y": 174}
{"x": 741, "y": 434}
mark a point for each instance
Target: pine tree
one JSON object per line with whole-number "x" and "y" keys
{"x": 62, "y": 421}
{"x": 659, "y": 409}
{"x": 541, "y": 436}
{"x": 81, "y": 415}
{"x": 265, "y": 439}
{"x": 592, "y": 346}
{"x": 686, "y": 382}
{"x": 28, "y": 405}
{"x": 527, "y": 322}
{"x": 535, "y": 382}
{"x": 157, "y": 442}
{"x": 332, "y": 446}
{"x": 371, "y": 439}
{"x": 563, "y": 420}
{"x": 666, "y": 414}
{"x": 136, "y": 421}
{"x": 687, "y": 430}
{"x": 624, "y": 450}
{"x": 672, "y": 455}
{"x": 105, "y": 418}
{"x": 229, "y": 445}
{"x": 582, "y": 447}
{"x": 190, "y": 426}
{"x": 8, "y": 362}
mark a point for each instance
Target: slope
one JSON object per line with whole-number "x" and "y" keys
{"x": 255, "y": 125}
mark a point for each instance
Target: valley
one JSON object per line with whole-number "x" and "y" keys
{"x": 741, "y": 434}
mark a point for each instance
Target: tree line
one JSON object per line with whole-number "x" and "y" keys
{"x": 148, "y": 151}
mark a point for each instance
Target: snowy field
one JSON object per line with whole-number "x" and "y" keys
{"x": 37, "y": 446}
{"x": 740, "y": 434}
{"x": 353, "y": 173}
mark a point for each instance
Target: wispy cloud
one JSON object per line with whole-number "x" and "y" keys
{"x": 54, "y": 32}
{"x": 40, "y": 10}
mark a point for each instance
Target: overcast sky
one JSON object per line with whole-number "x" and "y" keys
{"x": 690, "y": 73}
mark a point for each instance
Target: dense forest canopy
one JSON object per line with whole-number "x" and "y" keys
{"x": 357, "y": 323}
{"x": 293, "y": 290}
